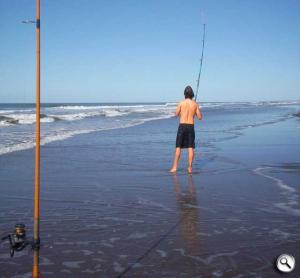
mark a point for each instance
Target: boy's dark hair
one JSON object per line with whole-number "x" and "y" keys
{"x": 188, "y": 92}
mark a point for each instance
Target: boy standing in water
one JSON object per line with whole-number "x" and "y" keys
{"x": 186, "y": 110}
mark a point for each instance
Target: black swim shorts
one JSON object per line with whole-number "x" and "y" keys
{"x": 185, "y": 136}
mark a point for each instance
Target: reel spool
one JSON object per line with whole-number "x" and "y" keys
{"x": 17, "y": 240}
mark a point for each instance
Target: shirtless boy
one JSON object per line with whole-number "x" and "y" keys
{"x": 186, "y": 110}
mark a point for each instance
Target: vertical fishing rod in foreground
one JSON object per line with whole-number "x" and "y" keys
{"x": 36, "y": 225}
{"x": 201, "y": 61}
{"x": 18, "y": 240}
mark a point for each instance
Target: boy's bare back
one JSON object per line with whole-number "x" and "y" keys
{"x": 186, "y": 110}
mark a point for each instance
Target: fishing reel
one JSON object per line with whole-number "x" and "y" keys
{"x": 18, "y": 240}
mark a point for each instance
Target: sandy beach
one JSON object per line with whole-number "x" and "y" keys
{"x": 97, "y": 101}
{"x": 109, "y": 207}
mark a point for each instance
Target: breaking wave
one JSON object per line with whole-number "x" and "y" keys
{"x": 65, "y": 134}
{"x": 61, "y": 121}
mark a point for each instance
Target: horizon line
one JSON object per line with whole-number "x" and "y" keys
{"x": 138, "y": 102}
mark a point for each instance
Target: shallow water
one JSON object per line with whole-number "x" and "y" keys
{"x": 62, "y": 121}
{"x": 109, "y": 207}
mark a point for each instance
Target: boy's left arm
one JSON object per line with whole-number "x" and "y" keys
{"x": 177, "y": 113}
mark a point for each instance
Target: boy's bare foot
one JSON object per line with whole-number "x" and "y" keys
{"x": 173, "y": 170}
{"x": 190, "y": 170}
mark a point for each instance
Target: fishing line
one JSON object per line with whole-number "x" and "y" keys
{"x": 201, "y": 62}
{"x": 155, "y": 244}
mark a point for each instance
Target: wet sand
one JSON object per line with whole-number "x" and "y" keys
{"x": 110, "y": 208}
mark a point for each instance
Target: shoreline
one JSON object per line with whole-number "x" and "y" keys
{"x": 110, "y": 208}
{"x": 70, "y": 134}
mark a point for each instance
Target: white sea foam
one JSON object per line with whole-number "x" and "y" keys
{"x": 5, "y": 123}
{"x": 115, "y": 113}
{"x": 15, "y": 123}
{"x": 77, "y": 107}
{"x": 162, "y": 253}
{"x": 118, "y": 267}
{"x": 63, "y": 134}
{"x": 271, "y": 103}
{"x": 44, "y": 140}
{"x": 137, "y": 235}
{"x": 90, "y": 114}
{"x": 171, "y": 104}
{"x": 20, "y": 118}
{"x": 239, "y": 105}
{"x": 278, "y": 182}
{"x": 78, "y": 116}
{"x": 73, "y": 264}
{"x": 80, "y": 112}
{"x": 15, "y": 111}
{"x": 288, "y": 191}
{"x": 26, "y": 119}
{"x": 209, "y": 259}
{"x": 93, "y": 107}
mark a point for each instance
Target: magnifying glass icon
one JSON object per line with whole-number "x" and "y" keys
{"x": 285, "y": 262}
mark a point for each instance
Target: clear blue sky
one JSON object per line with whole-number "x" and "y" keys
{"x": 136, "y": 51}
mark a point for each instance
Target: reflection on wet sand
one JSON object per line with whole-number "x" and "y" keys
{"x": 35, "y": 267}
{"x": 189, "y": 214}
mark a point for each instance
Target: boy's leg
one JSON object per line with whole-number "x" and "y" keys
{"x": 190, "y": 159}
{"x": 176, "y": 159}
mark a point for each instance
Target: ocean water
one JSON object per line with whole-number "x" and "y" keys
{"x": 109, "y": 207}
{"x": 64, "y": 120}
